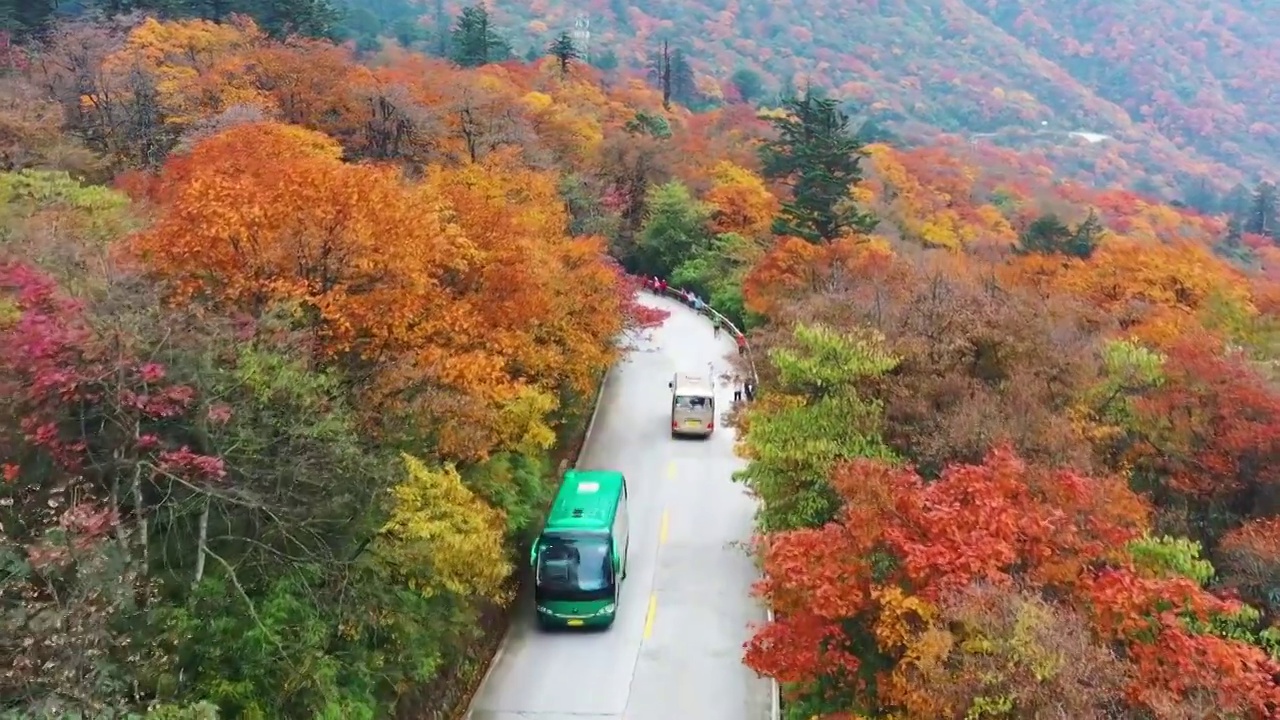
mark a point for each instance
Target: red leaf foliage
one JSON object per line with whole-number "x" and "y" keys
{"x": 637, "y": 315}
{"x": 91, "y": 411}
{"x": 1000, "y": 521}
{"x": 1179, "y": 668}
{"x": 1006, "y": 524}
{"x": 1216, "y": 428}
{"x": 1248, "y": 558}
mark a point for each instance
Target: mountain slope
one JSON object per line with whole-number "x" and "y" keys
{"x": 1189, "y": 87}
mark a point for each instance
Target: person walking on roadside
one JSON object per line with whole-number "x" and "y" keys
{"x": 742, "y": 344}
{"x": 737, "y": 389}
{"x": 715, "y": 327}
{"x": 749, "y": 389}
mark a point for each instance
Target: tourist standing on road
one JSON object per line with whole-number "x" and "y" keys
{"x": 737, "y": 388}
{"x": 749, "y": 388}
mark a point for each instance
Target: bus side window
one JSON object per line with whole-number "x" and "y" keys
{"x": 622, "y": 523}
{"x": 618, "y": 535}
{"x": 621, "y": 520}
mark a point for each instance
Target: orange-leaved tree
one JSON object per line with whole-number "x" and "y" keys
{"x": 1155, "y": 292}
{"x": 741, "y": 201}
{"x": 929, "y": 195}
{"x": 1184, "y": 665}
{"x": 547, "y": 304}
{"x": 265, "y": 214}
{"x": 461, "y": 302}
{"x": 794, "y": 269}
{"x": 316, "y": 84}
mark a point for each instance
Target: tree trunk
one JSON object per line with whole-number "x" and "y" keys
{"x": 202, "y": 544}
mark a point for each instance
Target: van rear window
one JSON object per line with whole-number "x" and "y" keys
{"x": 693, "y": 402}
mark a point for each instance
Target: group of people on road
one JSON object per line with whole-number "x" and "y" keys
{"x": 659, "y": 286}
{"x": 655, "y": 284}
{"x": 741, "y": 388}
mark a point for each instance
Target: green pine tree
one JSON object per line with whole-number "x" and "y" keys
{"x": 1086, "y": 237}
{"x": 1235, "y": 234}
{"x": 475, "y": 42}
{"x": 564, "y": 51}
{"x": 749, "y": 84}
{"x": 1263, "y": 210}
{"x": 312, "y": 18}
{"x": 684, "y": 88}
{"x": 26, "y": 18}
{"x": 819, "y": 158}
{"x": 1048, "y": 235}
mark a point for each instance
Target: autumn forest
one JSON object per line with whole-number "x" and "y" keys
{"x": 302, "y": 318}
{"x": 1159, "y": 94}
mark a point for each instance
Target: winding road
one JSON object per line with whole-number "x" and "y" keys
{"x": 675, "y": 651}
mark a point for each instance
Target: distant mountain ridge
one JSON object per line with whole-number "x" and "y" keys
{"x": 1187, "y": 88}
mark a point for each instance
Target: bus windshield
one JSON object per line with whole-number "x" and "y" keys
{"x": 574, "y": 566}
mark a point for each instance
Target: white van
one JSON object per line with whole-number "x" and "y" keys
{"x": 693, "y": 405}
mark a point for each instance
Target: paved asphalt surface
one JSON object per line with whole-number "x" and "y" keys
{"x": 675, "y": 651}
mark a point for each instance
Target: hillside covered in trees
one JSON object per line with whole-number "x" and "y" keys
{"x": 1183, "y": 89}
{"x": 295, "y": 336}
{"x": 1162, "y": 96}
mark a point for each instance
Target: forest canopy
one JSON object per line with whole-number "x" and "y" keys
{"x": 297, "y": 334}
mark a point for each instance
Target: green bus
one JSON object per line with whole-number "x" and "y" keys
{"x": 580, "y": 559}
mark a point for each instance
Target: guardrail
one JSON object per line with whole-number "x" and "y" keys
{"x": 715, "y": 315}
{"x": 775, "y": 692}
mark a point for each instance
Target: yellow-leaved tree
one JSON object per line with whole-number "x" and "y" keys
{"x": 742, "y": 202}
{"x": 200, "y": 67}
{"x": 547, "y": 303}
{"x": 441, "y": 538}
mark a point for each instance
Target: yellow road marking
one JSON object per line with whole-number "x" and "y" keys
{"x": 671, "y": 470}
{"x": 662, "y": 533}
{"x": 648, "y": 618}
